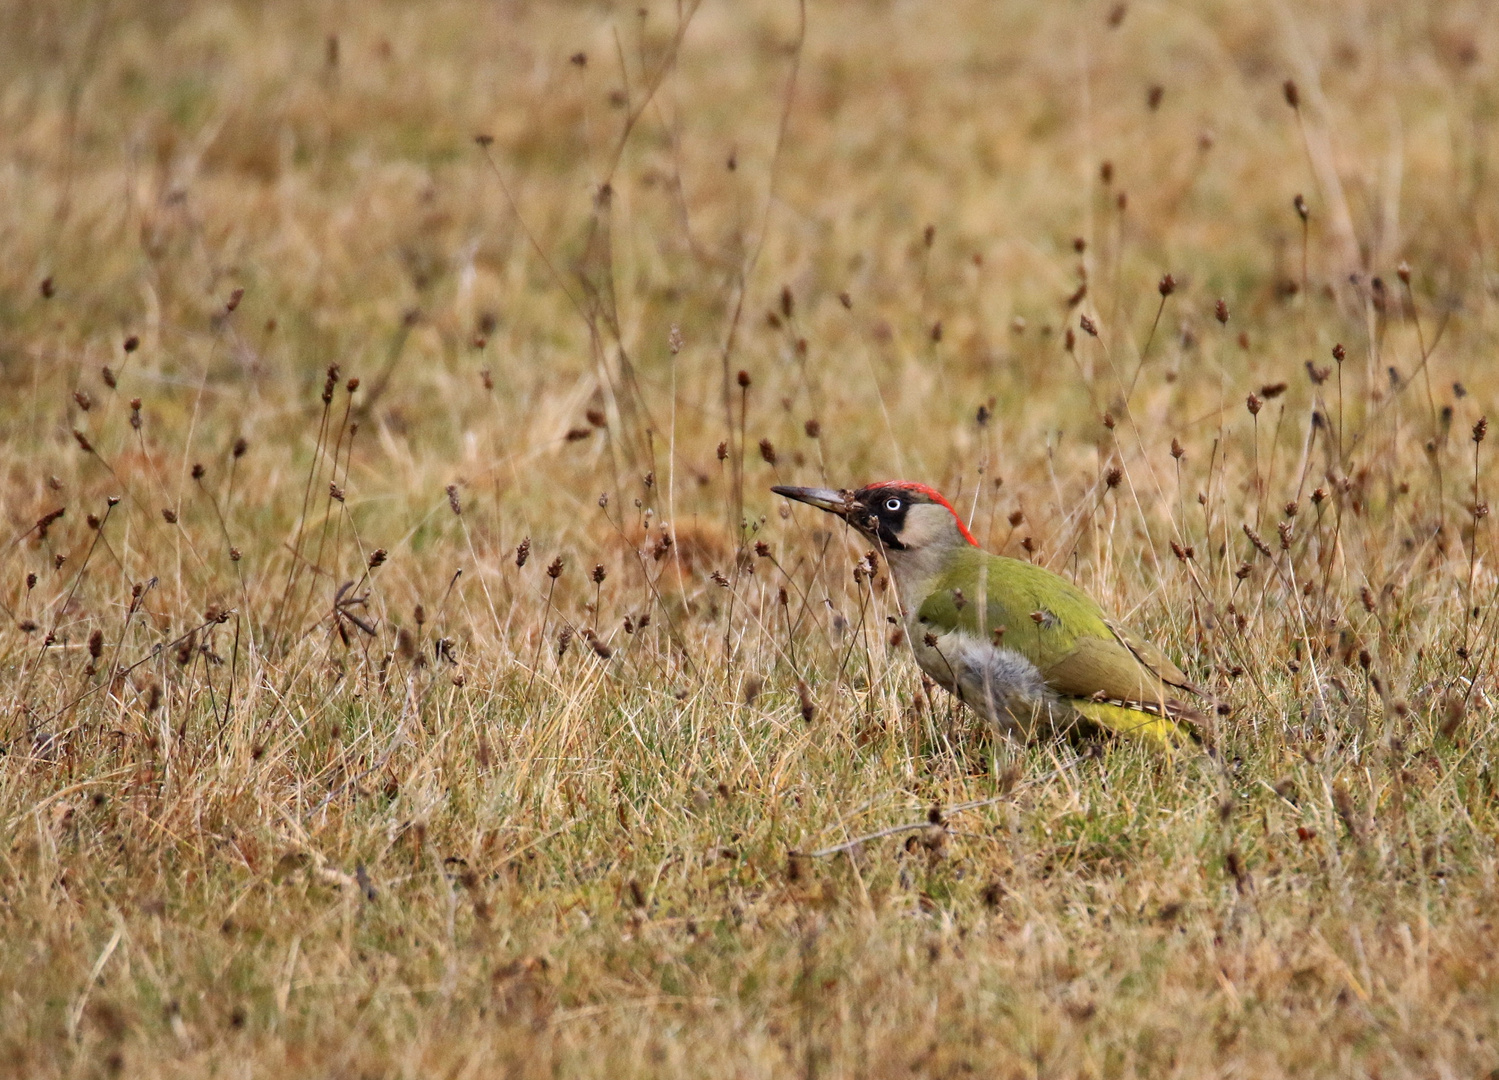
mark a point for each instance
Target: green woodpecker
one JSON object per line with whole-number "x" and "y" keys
{"x": 1025, "y": 647}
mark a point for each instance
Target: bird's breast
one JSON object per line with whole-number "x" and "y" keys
{"x": 986, "y": 676}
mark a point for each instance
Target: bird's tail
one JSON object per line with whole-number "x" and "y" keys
{"x": 1170, "y": 729}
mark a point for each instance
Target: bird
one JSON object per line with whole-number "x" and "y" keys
{"x": 1027, "y": 649}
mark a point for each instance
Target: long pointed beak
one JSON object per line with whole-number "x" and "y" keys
{"x": 834, "y": 502}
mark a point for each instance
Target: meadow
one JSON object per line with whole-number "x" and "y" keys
{"x": 407, "y": 670}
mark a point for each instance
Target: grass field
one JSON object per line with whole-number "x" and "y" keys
{"x": 408, "y": 672}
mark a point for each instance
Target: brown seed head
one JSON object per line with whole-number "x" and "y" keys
{"x": 1255, "y": 539}
{"x": 1167, "y": 285}
{"x": 601, "y": 650}
{"x": 1088, "y": 326}
{"x": 1302, "y": 211}
{"x": 554, "y": 568}
{"x": 768, "y": 451}
{"x": 804, "y": 697}
{"x": 522, "y": 552}
{"x": 1220, "y": 312}
{"x": 1293, "y": 95}
{"x": 1253, "y": 404}
{"x": 46, "y": 520}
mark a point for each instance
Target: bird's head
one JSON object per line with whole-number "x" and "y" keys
{"x": 897, "y": 515}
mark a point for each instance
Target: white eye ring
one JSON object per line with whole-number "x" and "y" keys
{"x": 892, "y": 504}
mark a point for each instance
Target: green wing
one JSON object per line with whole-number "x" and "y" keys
{"x": 1059, "y": 628}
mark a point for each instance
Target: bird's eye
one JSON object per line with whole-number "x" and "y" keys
{"x": 892, "y": 504}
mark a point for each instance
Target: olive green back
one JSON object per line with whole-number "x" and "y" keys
{"x": 1050, "y": 622}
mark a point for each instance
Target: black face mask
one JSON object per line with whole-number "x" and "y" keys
{"x": 882, "y": 522}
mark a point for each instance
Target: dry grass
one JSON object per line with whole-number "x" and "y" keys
{"x": 498, "y": 822}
